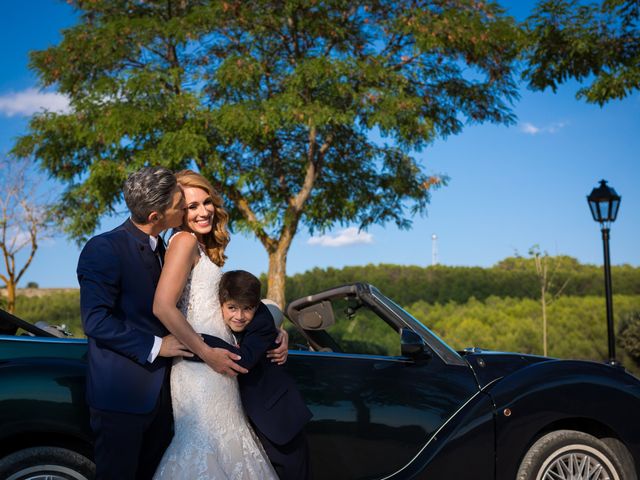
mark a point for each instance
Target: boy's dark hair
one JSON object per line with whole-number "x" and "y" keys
{"x": 241, "y": 287}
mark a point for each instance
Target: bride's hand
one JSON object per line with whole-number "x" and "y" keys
{"x": 222, "y": 361}
{"x": 279, "y": 355}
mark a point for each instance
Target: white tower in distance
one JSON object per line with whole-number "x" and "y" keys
{"x": 434, "y": 249}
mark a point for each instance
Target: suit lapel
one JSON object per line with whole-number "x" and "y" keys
{"x": 147, "y": 256}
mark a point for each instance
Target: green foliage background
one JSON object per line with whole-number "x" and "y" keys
{"x": 513, "y": 277}
{"x": 494, "y": 308}
{"x": 59, "y": 308}
{"x": 577, "y": 325}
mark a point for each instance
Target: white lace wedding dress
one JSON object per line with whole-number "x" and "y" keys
{"x": 213, "y": 439}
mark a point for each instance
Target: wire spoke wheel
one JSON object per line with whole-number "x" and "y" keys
{"x": 46, "y": 463}
{"x": 574, "y": 455}
{"x": 578, "y": 463}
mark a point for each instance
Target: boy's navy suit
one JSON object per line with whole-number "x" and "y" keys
{"x": 129, "y": 397}
{"x": 270, "y": 397}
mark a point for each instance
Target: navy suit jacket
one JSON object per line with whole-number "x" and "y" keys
{"x": 269, "y": 395}
{"x": 118, "y": 274}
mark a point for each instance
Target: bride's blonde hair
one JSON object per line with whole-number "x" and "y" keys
{"x": 218, "y": 238}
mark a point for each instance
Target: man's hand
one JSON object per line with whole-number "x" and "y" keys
{"x": 172, "y": 347}
{"x": 279, "y": 355}
{"x": 222, "y": 361}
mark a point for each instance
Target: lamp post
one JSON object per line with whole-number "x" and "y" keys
{"x": 604, "y": 203}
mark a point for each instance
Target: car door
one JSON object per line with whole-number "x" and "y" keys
{"x": 373, "y": 408}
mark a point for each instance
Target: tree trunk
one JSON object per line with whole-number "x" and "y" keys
{"x": 277, "y": 275}
{"x": 11, "y": 296}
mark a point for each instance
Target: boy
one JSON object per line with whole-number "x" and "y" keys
{"x": 269, "y": 396}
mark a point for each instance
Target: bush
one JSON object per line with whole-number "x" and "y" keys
{"x": 59, "y": 308}
{"x": 629, "y": 336}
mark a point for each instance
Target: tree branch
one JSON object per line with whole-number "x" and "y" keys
{"x": 34, "y": 248}
{"x": 296, "y": 204}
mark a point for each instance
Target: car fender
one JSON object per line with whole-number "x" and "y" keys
{"x": 595, "y": 398}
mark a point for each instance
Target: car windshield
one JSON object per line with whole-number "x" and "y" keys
{"x": 447, "y": 353}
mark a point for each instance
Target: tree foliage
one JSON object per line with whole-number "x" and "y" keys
{"x": 598, "y": 43}
{"x": 278, "y": 103}
{"x": 578, "y": 330}
{"x": 512, "y": 277}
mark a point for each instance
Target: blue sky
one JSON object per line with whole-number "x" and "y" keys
{"x": 510, "y": 187}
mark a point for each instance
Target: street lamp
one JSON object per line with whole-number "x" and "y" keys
{"x": 604, "y": 203}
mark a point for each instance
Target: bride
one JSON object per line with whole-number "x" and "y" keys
{"x": 213, "y": 438}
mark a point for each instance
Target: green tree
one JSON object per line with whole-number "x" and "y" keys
{"x": 546, "y": 278}
{"x": 599, "y": 43}
{"x": 280, "y": 104}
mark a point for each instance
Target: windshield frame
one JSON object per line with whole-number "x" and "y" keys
{"x": 439, "y": 347}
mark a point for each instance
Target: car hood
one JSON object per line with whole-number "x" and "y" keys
{"x": 491, "y": 366}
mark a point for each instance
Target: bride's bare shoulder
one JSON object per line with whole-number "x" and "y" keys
{"x": 182, "y": 238}
{"x": 182, "y": 241}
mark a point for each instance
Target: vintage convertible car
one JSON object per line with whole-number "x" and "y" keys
{"x": 390, "y": 401}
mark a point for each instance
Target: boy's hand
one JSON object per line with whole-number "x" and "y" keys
{"x": 222, "y": 361}
{"x": 279, "y": 355}
{"x": 172, "y": 347}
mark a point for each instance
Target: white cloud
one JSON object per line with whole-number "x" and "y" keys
{"x": 348, "y": 236}
{"x": 531, "y": 129}
{"x": 30, "y": 101}
{"x": 555, "y": 127}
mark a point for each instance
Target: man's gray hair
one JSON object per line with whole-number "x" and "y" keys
{"x": 150, "y": 189}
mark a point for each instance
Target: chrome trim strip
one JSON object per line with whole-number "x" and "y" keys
{"x": 435, "y": 434}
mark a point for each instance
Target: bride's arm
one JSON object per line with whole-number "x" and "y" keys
{"x": 179, "y": 260}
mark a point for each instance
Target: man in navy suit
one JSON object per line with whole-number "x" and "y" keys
{"x": 269, "y": 395}
{"x": 129, "y": 352}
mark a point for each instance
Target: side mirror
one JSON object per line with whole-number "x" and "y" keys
{"x": 411, "y": 344}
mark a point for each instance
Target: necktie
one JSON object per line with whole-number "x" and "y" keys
{"x": 160, "y": 249}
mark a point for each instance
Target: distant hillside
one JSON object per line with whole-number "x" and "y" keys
{"x": 513, "y": 277}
